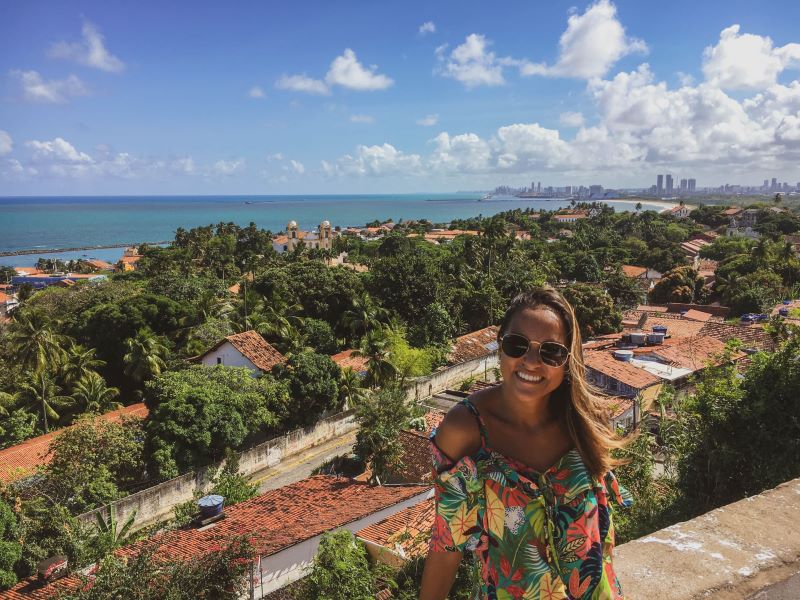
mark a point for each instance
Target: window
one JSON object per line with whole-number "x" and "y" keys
{"x": 219, "y": 360}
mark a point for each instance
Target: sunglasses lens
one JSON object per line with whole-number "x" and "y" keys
{"x": 553, "y": 354}
{"x": 514, "y": 345}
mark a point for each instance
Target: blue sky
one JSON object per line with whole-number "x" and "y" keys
{"x": 361, "y": 97}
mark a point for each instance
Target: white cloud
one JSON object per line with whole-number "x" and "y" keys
{"x": 276, "y": 156}
{"x": 346, "y": 71}
{"x": 184, "y": 165}
{"x": 592, "y": 43}
{"x": 36, "y": 89}
{"x": 302, "y": 83}
{"x": 376, "y": 161}
{"x": 362, "y": 119}
{"x": 297, "y": 166}
{"x": 229, "y": 168}
{"x": 59, "y": 150}
{"x": 571, "y": 119}
{"x": 427, "y": 27}
{"x": 466, "y": 152}
{"x": 90, "y": 52}
{"x": 472, "y": 63}
{"x": 428, "y": 120}
{"x": 6, "y": 143}
{"x": 747, "y": 61}
{"x": 256, "y": 92}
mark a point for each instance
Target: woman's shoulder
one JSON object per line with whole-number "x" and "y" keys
{"x": 459, "y": 435}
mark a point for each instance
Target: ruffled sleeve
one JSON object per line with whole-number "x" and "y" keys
{"x": 458, "y": 494}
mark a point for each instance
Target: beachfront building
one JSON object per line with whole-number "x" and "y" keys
{"x": 321, "y": 239}
{"x": 246, "y": 349}
{"x": 42, "y": 280}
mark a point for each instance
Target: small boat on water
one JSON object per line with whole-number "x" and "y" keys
{"x": 487, "y": 197}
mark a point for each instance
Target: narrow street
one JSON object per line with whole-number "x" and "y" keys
{"x": 302, "y": 465}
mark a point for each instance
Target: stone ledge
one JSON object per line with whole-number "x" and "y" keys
{"x": 748, "y": 549}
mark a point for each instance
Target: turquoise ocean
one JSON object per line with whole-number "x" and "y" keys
{"x": 28, "y": 223}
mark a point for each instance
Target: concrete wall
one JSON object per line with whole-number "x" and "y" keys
{"x": 451, "y": 377}
{"x": 748, "y": 549}
{"x": 157, "y": 502}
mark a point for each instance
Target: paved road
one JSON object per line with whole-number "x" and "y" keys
{"x": 298, "y": 467}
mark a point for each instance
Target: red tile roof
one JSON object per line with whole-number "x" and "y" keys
{"x": 255, "y": 349}
{"x": 603, "y": 362}
{"x": 416, "y": 456}
{"x": 347, "y": 360}
{"x": 753, "y": 337}
{"x": 676, "y": 325}
{"x": 474, "y": 345}
{"x": 614, "y": 406}
{"x": 407, "y": 531}
{"x": 100, "y": 264}
{"x": 276, "y": 520}
{"x": 697, "y": 315}
{"x": 692, "y": 353}
{"x": 22, "y": 459}
{"x": 632, "y": 271}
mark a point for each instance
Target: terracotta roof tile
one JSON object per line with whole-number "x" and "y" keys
{"x": 753, "y": 337}
{"x": 474, "y": 345}
{"x": 406, "y": 532}
{"x": 692, "y": 353}
{"x": 347, "y": 360}
{"x": 697, "y": 315}
{"x": 22, "y": 459}
{"x": 603, "y": 362}
{"x": 614, "y": 406}
{"x": 633, "y": 271}
{"x": 416, "y": 456}
{"x": 256, "y": 349}
{"x": 100, "y": 264}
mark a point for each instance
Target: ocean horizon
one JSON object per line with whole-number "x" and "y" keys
{"x": 55, "y": 222}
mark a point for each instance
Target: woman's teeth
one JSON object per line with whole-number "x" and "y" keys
{"x": 530, "y": 378}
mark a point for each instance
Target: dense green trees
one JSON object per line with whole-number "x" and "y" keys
{"x": 199, "y": 413}
{"x": 313, "y": 384}
{"x": 340, "y": 570}
{"x": 10, "y": 546}
{"x": 594, "y": 309}
{"x": 682, "y": 284}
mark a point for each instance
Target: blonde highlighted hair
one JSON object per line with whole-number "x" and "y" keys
{"x": 575, "y": 400}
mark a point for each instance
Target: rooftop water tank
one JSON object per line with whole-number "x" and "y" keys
{"x": 638, "y": 338}
{"x": 623, "y": 355}
{"x": 784, "y": 312}
{"x": 655, "y": 338}
{"x": 787, "y": 302}
{"x": 210, "y": 506}
{"x": 660, "y": 329}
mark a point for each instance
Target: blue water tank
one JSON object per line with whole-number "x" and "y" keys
{"x": 210, "y": 506}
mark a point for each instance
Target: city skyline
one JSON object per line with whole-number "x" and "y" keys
{"x": 259, "y": 99}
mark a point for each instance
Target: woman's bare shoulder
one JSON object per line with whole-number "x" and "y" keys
{"x": 458, "y": 435}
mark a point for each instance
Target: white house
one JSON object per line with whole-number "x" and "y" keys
{"x": 246, "y": 349}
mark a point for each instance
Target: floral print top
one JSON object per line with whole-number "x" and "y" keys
{"x": 536, "y": 536}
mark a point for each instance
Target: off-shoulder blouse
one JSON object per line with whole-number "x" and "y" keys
{"x": 535, "y": 535}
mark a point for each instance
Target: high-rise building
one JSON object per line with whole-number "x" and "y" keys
{"x": 660, "y": 183}
{"x": 692, "y": 185}
{"x": 669, "y": 183}
{"x": 539, "y": 187}
{"x": 766, "y": 184}
{"x": 683, "y": 185}
{"x": 774, "y": 183}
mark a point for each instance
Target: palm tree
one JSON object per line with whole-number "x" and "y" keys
{"x": 35, "y": 345}
{"x": 94, "y": 395}
{"x": 351, "y": 394}
{"x": 80, "y": 361}
{"x": 145, "y": 356}
{"x": 761, "y": 251}
{"x": 375, "y": 347}
{"x": 363, "y": 316}
{"x": 43, "y": 394}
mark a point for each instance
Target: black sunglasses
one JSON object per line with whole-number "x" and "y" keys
{"x": 552, "y": 354}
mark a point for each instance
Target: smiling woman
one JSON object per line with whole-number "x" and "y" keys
{"x": 523, "y": 474}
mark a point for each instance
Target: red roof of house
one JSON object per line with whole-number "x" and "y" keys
{"x": 415, "y": 461}
{"x": 274, "y": 521}
{"x": 407, "y": 531}
{"x": 254, "y": 348}
{"x": 633, "y": 271}
{"x": 603, "y": 362}
{"x": 347, "y": 360}
{"x": 474, "y": 345}
{"x": 100, "y": 264}
{"x": 692, "y": 353}
{"x": 697, "y": 315}
{"x": 22, "y": 459}
{"x": 614, "y": 406}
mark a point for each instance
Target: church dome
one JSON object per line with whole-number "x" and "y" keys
{"x": 325, "y": 224}
{"x": 292, "y": 225}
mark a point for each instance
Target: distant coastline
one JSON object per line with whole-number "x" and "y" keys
{"x": 79, "y": 249}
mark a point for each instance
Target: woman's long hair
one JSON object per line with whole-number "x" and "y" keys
{"x": 574, "y": 400}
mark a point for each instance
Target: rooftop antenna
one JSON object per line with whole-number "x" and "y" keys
{"x": 642, "y": 321}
